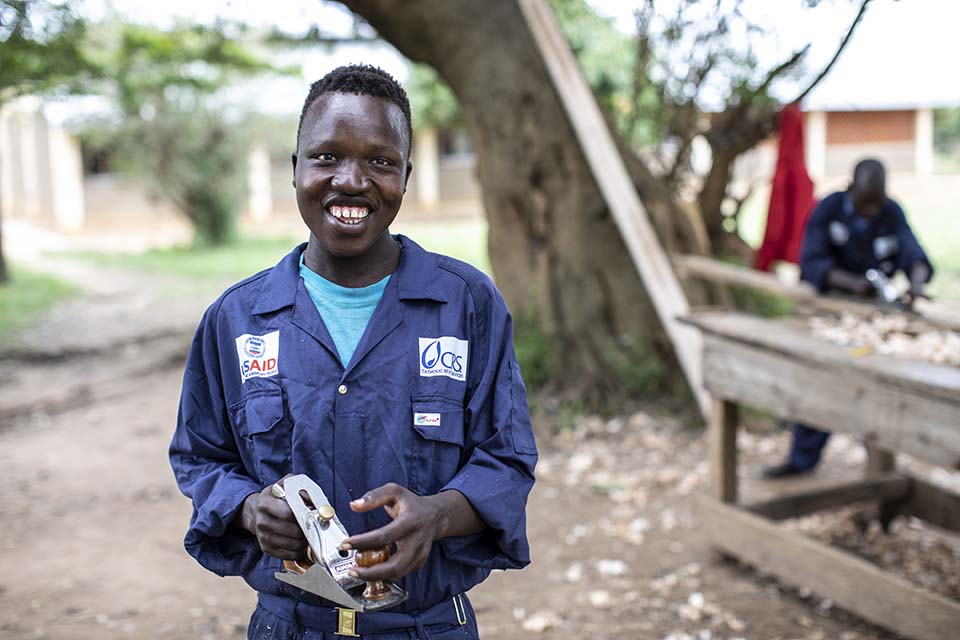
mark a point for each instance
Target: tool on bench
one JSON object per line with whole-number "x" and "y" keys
{"x": 886, "y": 291}
{"x": 326, "y": 573}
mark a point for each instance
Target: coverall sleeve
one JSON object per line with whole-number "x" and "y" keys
{"x": 816, "y": 259}
{"x": 910, "y": 250}
{"x": 500, "y": 448}
{"x": 207, "y": 465}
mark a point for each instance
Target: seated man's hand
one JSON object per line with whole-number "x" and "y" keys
{"x": 913, "y": 294}
{"x": 270, "y": 519}
{"x": 417, "y": 522}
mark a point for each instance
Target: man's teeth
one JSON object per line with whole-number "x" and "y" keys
{"x": 349, "y": 215}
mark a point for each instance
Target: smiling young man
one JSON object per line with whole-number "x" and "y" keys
{"x": 385, "y": 373}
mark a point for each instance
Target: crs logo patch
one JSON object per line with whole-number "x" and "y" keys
{"x": 259, "y": 355}
{"x": 443, "y": 356}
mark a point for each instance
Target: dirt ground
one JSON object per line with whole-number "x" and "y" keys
{"x": 92, "y": 522}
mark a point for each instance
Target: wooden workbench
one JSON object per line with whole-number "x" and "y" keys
{"x": 893, "y": 404}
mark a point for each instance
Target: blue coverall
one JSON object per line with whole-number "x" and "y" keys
{"x": 432, "y": 400}
{"x": 836, "y": 236}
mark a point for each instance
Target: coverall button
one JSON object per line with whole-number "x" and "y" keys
{"x": 342, "y": 389}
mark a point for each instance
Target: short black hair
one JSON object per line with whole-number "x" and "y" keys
{"x": 364, "y": 80}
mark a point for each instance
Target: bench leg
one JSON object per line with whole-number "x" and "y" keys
{"x": 880, "y": 462}
{"x": 722, "y": 434}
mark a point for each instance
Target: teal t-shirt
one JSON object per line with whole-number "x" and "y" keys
{"x": 345, "y": 311}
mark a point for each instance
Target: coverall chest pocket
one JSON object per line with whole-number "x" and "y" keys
{"x": 438, "y": 443}
{"x": 266, "y": 434}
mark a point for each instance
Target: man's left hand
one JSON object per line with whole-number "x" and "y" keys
{"x": 416, "y": 524}
{"x": 418, "y": 521}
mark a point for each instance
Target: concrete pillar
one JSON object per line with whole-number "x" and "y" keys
{"x": 260, "y": 198}
{"x": 923, "y": 142}
{"x": 426, "y": 168}
{"x": 66, "y": 179}
{"x": 27, "y": 122}
{"x": 815, "y": 143}
{"x": 7, "y": 184}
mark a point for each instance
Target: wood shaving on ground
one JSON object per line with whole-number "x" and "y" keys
{"x": 893, "y": 335}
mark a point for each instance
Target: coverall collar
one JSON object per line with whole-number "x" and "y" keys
{"x": 418, "y": 278}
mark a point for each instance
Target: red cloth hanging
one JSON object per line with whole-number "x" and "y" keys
{"x": 791, "y": 195}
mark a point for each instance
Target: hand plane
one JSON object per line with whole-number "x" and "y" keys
{"x": 327, "y": 572}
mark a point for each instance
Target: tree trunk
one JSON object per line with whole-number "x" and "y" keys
{"x": 556, "y": 253}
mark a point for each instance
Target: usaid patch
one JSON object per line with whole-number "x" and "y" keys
{"x": 259, "y": 355}
{"x": 426, "y": 419}
{"x": 444, "y": 356}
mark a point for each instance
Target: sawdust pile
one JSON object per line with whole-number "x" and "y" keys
{"x": 911, "y": 549}
{"x": 892, "y": 335}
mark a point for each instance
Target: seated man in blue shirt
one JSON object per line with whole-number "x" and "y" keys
{"x": 385, "y": 373}
{"x": 849, "y": 233}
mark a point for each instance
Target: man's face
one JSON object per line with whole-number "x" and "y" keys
{"x": 868, "y": 193}
{"x": 350, "y": 171}
{"x": 867, "y": 201}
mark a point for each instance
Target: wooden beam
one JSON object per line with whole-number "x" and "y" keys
{"x": 933, "y": 504}
{"x": 722, "y": 434}
{"x": 801, "y": 292}
{"x": 889, "y": 416}
{"x": 852, "y": 583}
{"x": 881, "y": 462}
{"x": 794, "y": 339}
{"x": 730, "y": 274}
{"x": 888, "y": 487}
{"x": 618, "y": 191}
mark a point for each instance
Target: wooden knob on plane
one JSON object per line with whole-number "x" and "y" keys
{"x": 376, "y": 589}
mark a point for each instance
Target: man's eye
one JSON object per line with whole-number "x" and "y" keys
{"x": 382, "y": 162}
{"x": 326, "y": 157}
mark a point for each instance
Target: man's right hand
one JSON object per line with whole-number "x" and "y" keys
{"x": 270, "y": 519}
{"x": 853, "y": 283}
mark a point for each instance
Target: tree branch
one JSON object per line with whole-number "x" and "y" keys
{"x": 836, "y": 56}
{"x": 782, "y": 68}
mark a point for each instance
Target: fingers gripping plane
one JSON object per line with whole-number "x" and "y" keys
{"x": 327, "y": 572}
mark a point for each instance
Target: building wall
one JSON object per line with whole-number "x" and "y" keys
{"x": 112, "y": 200}
{"x": 866, "y": 127}
{"x": 457, "y": 178}
{"x": 42, "y": 181}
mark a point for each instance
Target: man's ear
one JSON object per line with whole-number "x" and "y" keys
{"x": 293, "y": 158}
{"x": 407, "y": 178}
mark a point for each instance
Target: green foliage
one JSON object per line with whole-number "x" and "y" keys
{"x": 608, "y": 61}
{"x": 761, "y": 303}
{"x": 176, "y": 134}
{"x": 946, "y": 129}
{"x": 180, "y": 66}
{"x": 639, "y": 371}
{"x": 41, "y": 47}
{"x": 26, "y": 296}
{"x": 432, "y": 102}
{"x": 534, "y": 352}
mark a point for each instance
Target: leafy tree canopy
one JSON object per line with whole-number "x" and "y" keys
{"x": 41, "y": 47}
